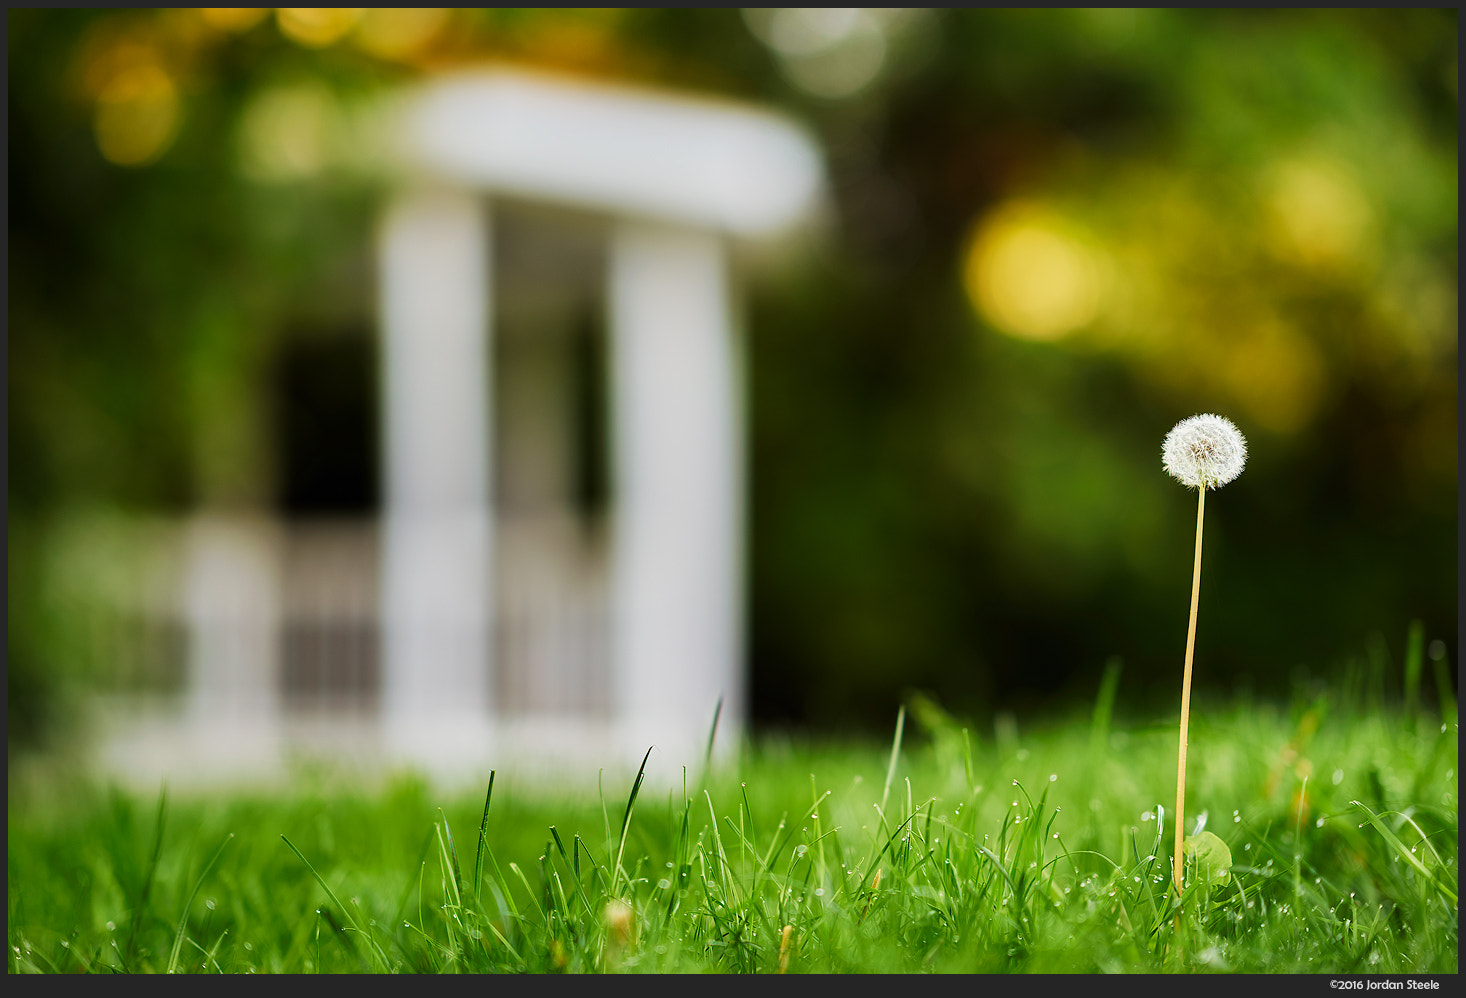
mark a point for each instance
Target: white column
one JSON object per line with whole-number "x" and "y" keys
{"x": 678, "y": 499}
{"x": 436, "y": 555}
{"x": 231, "y": 602}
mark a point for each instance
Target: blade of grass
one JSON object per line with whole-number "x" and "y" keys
{"x": 1402, "y": 850}
{"x": 967, "y": 759}
{"x": 619, "y": 871}
{"x": 483, "y": 831}
{"x": 891, "y": 766}
{"x": 147, "y": 884}
{"x": 1443, "y": 691}
{"x": 422, "y": 858}
{"x": 376, "y": 950}
{"x": 707, "y": 761}
{"x": 999, "y": 864}
{"x": 1414, "y": 655}
{"x": 453, "y": 856}
{"x": 869, "y": 870}
{"x": 533, "y": 895}
{"x": 183, "y": 919}
{"x": 595, "y": 867}
{"x": 579, "y": 888}
{"x": 454, "y": 896}
{"x": 211, "y": 955}
{"x": 346, "y": 942}
{"x": 1104, "y": 707}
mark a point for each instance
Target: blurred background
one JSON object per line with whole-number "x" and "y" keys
{"x": 1050, "y": 236}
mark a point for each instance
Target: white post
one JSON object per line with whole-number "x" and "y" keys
{"x": 436, "y": 610}
{"x": 677, "y": 564}
{"x": 231, "y": 597}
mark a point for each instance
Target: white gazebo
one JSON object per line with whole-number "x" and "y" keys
{"x": 674, "y": 182}
{"x": 678, "y": 178}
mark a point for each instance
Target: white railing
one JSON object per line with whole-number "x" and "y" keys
{"x": 282, "y": 620}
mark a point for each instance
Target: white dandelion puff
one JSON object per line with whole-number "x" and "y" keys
{"x": 1204, "y": 451}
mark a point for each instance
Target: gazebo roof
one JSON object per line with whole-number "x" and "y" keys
{"x": 611, "y": 148}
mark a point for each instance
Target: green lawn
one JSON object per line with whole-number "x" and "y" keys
{"x": 1039, "y": 851}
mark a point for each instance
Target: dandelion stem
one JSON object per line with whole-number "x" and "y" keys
{"x": 1186, "y": 691}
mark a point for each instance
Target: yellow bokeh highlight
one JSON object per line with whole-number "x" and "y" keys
{"x": 1031, "y": 274}
{"x": 286, "y": 132}
{"x": 316, "y": 27}
{"x": 1317, "y": 214}
{"x": 137, "y": 115}
{"x": 233, "y": 18}
{"x": 399, "y": 32}
{"x": 1276, "y": 374}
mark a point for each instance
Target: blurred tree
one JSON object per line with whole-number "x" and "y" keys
{"x": 1057, "y": 233}
{"x": 1152, "y": 214}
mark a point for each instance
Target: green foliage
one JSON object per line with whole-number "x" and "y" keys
{"x": 931, "y": 499}
{"x": 1335, "y": 850}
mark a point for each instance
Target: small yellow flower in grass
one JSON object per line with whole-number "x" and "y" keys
{"x": 620, "y": 921}
{"x": 1203, "y": 452}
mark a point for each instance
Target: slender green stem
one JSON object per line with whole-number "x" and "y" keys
{"x": 1186, "y": 692}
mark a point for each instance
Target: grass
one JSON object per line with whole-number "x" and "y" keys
{"x": 942, "y": 852}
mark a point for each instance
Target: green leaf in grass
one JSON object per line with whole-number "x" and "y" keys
{"x": 1212, "y": 858}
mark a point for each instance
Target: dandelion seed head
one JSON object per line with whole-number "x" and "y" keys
{"x": 1204, "y": 451}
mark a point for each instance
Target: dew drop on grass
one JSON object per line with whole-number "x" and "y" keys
{"x": 1236, "y": 817}
{"x": 663, "y": 884}
{"x": 111, "y": 926}
{"x": 1053, "y": 777}
{"x": 1318, "y": 823}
